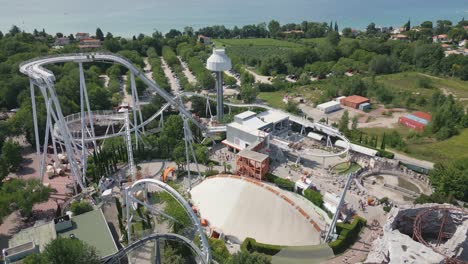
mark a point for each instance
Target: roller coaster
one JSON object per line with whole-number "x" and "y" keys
{"x": 75, "y": 142}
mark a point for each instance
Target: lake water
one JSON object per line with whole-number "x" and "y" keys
{"x": 127, "y": 18}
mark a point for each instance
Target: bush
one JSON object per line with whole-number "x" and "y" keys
{"x": 280, "y": 182}
{"x": 385, "y": 154}
{"x": 387, "y": 208}
{"x": 219, "y": 250}
{"x": 209, "y": 173}
{"x": 251, "y": 245}
{"x": 424, "y": 82}
{"x": 314, "y": 196}
{"x": 81, "y": 207}
{"x": 348, "y": 234}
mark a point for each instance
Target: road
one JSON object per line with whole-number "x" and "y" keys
{"x": 148, "y": 69}
{"x": 258, "y": 77}
{"x": 406, "y": 159}
{"x": 190, "y": 77}
{"x": 238, "y": 81}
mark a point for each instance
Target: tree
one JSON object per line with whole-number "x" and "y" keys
{"x": 274, "y": 28}
{"x": 333, "y": 37}
{"x": 80, "y": 207}
{"x": 66, "y": 250}
{"x": 344, "y": 121}
{"x": 354, "y": 123}
{"x": 407, "y": 25}
{"x": 451, "y": 179}
{"x": 336, "y": 27}
{"x": 370, "y": 30}
{"x": 99, "y": 34}
{"x": 14, "y": 30}
{"x": 427, "y": 24}
{"x": 347, "y": 32}
{"x": 11, "y": 154}
{"x": 248, "y": 93}
{"x": 244, "y": 257}
{"x": 457, "y": 34}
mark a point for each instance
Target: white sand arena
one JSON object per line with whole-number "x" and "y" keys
{"x": 242, "y": 209}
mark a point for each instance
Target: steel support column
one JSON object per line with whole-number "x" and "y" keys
{"x": 219, "y": 88}
{"x": 36, "y": 129}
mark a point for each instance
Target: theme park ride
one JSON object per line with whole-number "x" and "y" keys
{"x": 77, "y": 137}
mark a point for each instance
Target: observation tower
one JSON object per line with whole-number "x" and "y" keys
{"x": 219, "y": 62}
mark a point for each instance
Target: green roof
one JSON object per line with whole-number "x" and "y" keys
{"x": 92, "y": 228}
{"x": 40, "y": 234}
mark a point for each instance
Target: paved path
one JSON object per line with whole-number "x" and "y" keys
{"x": 175, "y": 86}
{"x": 238, "y": 81}
{"x": 106, "y": 79}
{"x": 258, "y": 77}
{"x": 407, "y": 159}
{"x": 148, "y": 69}
{"x": 190, "y": 77}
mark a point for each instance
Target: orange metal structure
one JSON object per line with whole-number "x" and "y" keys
{"x": 252, "y": 164}
{"x": 166, "y": 173}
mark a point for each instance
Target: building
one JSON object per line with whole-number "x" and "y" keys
{"x": 61, "y": 41}
{"x": 354, "y": 101}
{"x": 204, "y": 40}
{"x": 253, "y": 164}
{"x": 249, "y": 134}
{"x": 416, "y": 120}
{"x": 90, "y": 227}
{"x": 329, "y": 107}
{"x": 365, "y": 106}
{"x": 250, "y": 129}
{"x": 399, "y": 37}
{"x": 89, "y": 43}
{"x": 442, "y": 38}
{"x": 80, "y": 35}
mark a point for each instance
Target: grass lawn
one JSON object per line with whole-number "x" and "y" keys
{"x": 260, "y": 42}
{"x": 409, "y": 81}
{"x": 345, "y": 168}
{"x": 429, "y": 149}
{"x": 438, "y": 151}
{"x": 273, "y": 99}
{"x": 320, "y": 41}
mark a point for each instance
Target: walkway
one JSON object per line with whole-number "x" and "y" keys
{"x": 190, "y": 77}
{"x": 175, "y": 86}
{"x": 258, "y": 77}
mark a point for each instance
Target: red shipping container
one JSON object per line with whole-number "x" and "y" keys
{"x": 411, "y": 123}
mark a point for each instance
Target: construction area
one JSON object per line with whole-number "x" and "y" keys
{"x": 428, "y": 233}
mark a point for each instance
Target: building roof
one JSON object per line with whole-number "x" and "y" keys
{"x": 41, "y": 234}
{"x": 252, "y": 155}
{"x": 356, "y": 99}
{"x": 91, "y": 228}
{"x": 400, "y": 36}
{"x": 253, "y": 130}
{"x": 272, "y": 116}
{"x": 328, "y": 104}
{"x": 315, "y": 136}
{"x": 245, "y": 115}
{"x": 423, "y": 115}
{"x": 357, "y": 148}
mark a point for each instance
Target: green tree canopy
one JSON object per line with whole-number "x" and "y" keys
{"x": 66, "y": 250}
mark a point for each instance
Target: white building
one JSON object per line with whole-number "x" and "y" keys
{"x": 329, "y": 107}
{"x": 250, "y": 128}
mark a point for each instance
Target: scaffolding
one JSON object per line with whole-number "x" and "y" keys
{"x": 252, "y": 164}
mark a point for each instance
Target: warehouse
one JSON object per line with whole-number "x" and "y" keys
{"x": 416, "y": 120}
{"x": 354, "y": 101}
{"x": 329, "y": 107}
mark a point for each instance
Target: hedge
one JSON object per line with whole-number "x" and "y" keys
{"x": 348, "y": 234}
{"x": 314, "y": 196}
{"x": 385, "y": 154}
{"x": 280, "y": 182}
{"x": 219, "y": 250}
{"x": 251, "y": 245}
